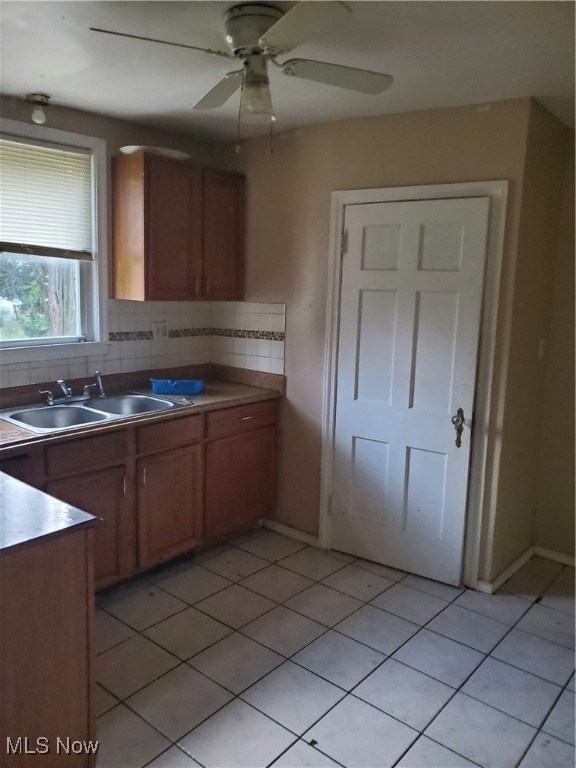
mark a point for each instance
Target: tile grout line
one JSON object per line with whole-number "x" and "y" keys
{"x": 300, "y": 738}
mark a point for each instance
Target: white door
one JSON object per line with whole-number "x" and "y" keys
{"x": 411, "y": 296}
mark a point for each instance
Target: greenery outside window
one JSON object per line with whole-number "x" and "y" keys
{"x": 48, "y": 268}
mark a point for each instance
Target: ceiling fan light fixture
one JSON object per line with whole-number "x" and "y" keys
{"x": 256, "y": 103}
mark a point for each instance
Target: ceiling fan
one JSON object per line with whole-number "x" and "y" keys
{"x": 257, "y": 34}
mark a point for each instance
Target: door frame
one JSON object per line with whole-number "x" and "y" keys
{"x": 481, "y": 488}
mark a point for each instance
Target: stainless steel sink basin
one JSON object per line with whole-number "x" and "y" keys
{"x": 49, "y": 418}
{"x": 129, "y": 405}
{"x": 59, "y": 417}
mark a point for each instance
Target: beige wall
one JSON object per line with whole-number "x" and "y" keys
{"x": 520, "y": 468}
{"x": 554, "y": 524}
{"x": 117, "y": 133}
{"x": 288, "y": 233}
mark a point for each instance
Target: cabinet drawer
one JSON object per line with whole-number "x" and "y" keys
{"x": 86, "y": 452}
{"x": 243, "y": 418}
{"x": 170, "y": 434}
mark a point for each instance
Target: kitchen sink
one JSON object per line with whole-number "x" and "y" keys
{"x": 62, "y": 416}
{"x": 129, "y": 405}
{"x": 51, "y": 417}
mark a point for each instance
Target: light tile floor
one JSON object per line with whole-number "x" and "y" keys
{"x": 268, "y": 652}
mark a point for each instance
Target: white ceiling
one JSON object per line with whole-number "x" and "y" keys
{"x": 440, "y": 53}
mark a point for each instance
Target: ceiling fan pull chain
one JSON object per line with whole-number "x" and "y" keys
{"x": 238, "y": 121}
{"x": 271, "y": 139}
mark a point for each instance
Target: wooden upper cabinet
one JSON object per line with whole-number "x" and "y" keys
{"x": 223, "y": 235}
{"x": 157, "y": 228}
{"x": 178, "y": 230}
{"x": 174, "y": 229}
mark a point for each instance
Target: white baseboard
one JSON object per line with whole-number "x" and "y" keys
{"x": 491, "y": 586}
{"x": 292, "y": 533}
{"x": 558, "y": 557}
{"x": 548, "y": 554}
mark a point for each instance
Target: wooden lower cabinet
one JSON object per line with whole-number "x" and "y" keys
{"x": 240, "y": 480}
{"x": 160, "y": 489}
{"x": 169, "y": 504}
{"x": 103, "y": 493}
{"x": 47, "y": 597}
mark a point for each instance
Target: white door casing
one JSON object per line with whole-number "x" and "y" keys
{"x": 409, "y": 324}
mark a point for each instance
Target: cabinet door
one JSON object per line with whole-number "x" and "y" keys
{"x": 240, "y": 480}
{"x": 128, "y": 181}
{"x": 101, "y": 493}
{"x": 170, "y": 503}
{"x": 223, "y": 235}
{"x": 174, "y": 230}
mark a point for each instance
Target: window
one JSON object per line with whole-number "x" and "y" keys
{"x": 49, "y": 275}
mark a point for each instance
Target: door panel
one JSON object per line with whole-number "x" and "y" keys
{"x": 411, "y": 299}
{"x": 376, "y": 319}
{"x": 425, "y": 492}
{"x": 369, "y": 477}
{"x": 431, "y": 373}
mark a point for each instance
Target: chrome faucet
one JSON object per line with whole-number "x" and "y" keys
{"x": 99, "y": 384}
{"x": 64, "y": 387}
{"x": 49, "y": 396}
{"x": 67, "y": 392}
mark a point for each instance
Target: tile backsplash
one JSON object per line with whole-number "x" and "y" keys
{"x": 167, "y": 334}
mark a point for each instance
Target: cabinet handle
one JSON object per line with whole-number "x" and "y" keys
{"x": 197, "y": 287}
{"x": 124, "y": 486}
{"x": 207, "y": 285}
{"x": 246, "y": 418}
{"x": 143, "y": 477}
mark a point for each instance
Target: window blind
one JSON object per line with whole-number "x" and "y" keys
{"x": 45, "y": 200}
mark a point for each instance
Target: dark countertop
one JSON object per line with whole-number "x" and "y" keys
{"x": 27, "y": 514}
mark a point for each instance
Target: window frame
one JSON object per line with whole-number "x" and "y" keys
{"x": 95, "y": 289}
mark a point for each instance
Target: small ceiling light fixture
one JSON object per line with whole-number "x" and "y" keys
{"x": 255, "y": 98}
{"x": 256, "y": 104}
{"x": 39, "y": 101}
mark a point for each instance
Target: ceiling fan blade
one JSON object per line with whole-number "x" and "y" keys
{"x": 221, "y": 92}
{"x": 362, "y": 80}
{"x": 301, "y": 23}
{"x": 163, "y": 42}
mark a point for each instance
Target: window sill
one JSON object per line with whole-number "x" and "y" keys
{"x": 53, "y": 352}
